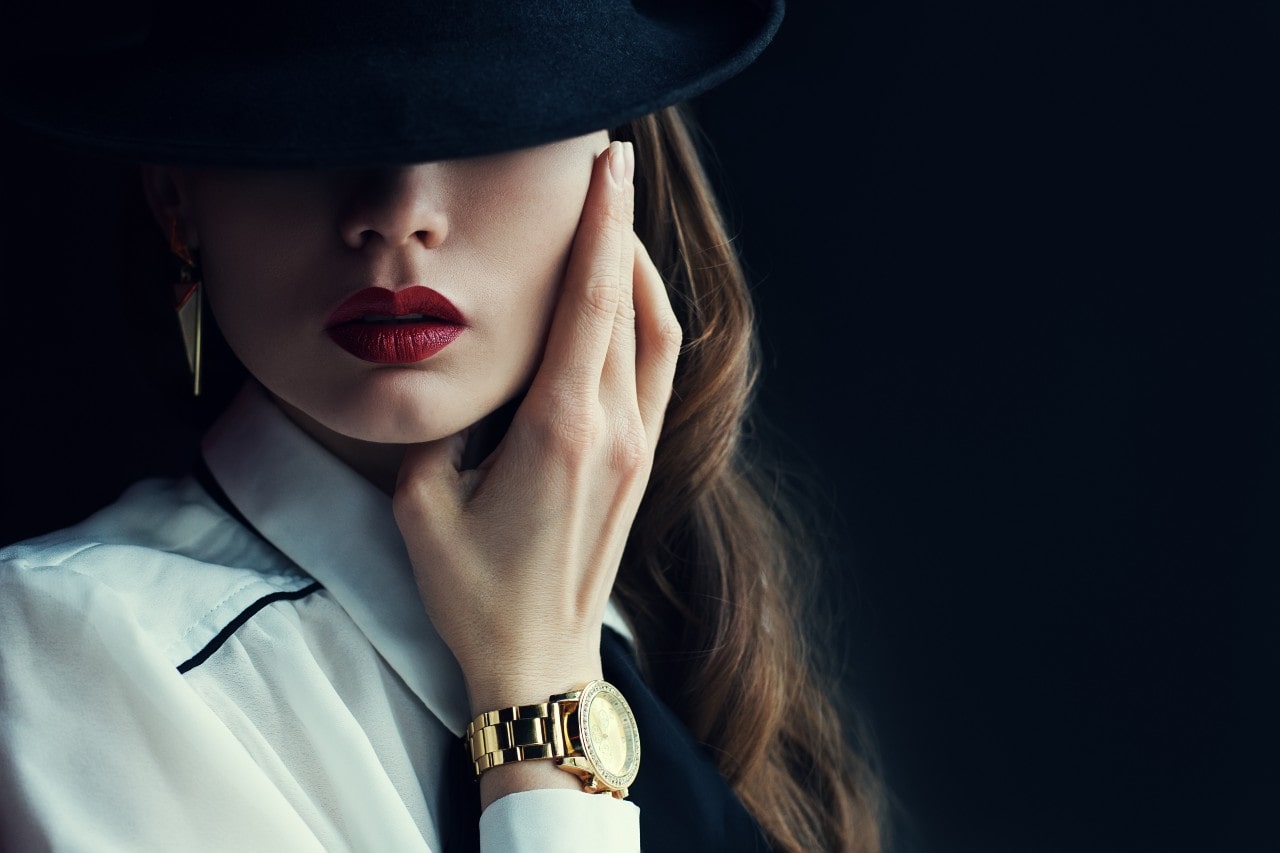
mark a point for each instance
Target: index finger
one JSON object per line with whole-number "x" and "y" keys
{"x": 583, "y": 322}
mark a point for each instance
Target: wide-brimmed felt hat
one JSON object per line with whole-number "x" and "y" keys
{"x": 326, "y": 84}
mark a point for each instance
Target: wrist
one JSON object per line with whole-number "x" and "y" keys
{"x": 523, "y": 776}
{"x": 494, "y": 691}
{"x": 589, "y": 733}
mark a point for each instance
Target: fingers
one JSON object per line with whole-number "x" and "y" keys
{"x": 585, "y": 316}
{"x": 429, "y": 476}
{"x": 619, "y": 380}
{"x": 614, "y": 339}
{"x": 658, "y": 337}
{"x": 445, "y": 454}
{"x": 546, "y": 517}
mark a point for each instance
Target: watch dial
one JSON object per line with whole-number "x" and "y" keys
{"x": 608, "y": 734}
{"x": 611, "y": 740}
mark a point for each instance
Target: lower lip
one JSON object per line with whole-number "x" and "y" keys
{"x": 394, "y": 343}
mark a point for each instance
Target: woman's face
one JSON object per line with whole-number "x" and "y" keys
{"x": 283, "y": 253}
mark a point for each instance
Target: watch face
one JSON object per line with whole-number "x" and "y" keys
{"x": 609, "y": 736}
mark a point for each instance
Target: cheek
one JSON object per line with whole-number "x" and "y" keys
{"x": 239, "y": 294}
{"x": 537, "y": 254}
{"x": 251, "y": 259}
{"x": 531, "y": 218}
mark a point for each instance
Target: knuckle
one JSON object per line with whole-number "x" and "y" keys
{"x": 670, "y": 333}
{"x": 629, "y": 452}
{"x": 626, "y": 311}
{"x": 568, "y": 421}
{"x": 407, "y": 503}
{"x": 576, "y": 429}
{"x": 600, "y": 298}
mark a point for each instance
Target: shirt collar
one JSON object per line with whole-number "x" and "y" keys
{"x": 339, "y": 528}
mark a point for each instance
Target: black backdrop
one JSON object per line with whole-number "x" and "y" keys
{"x": 1015, "y": 268}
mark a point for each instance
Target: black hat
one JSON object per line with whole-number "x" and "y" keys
{"x": 320, "y": 83}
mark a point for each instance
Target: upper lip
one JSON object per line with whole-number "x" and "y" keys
{"x": 382, "y": 301}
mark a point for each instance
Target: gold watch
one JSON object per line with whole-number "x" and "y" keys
{"x": 590, "y": 732}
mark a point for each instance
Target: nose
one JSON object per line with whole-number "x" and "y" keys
{"x": 396, "y": 205}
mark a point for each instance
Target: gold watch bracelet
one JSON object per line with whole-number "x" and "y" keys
{"x": 518, "y": 733}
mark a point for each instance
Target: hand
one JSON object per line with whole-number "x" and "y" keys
{"x": 515, "y": 559}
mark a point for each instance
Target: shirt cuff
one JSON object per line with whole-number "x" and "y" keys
{"x": 556, "y": 819}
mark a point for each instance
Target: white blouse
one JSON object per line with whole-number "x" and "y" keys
{"x": 173, "y": 680}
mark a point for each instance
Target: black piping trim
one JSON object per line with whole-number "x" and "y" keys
{"x": 244, "y": 616}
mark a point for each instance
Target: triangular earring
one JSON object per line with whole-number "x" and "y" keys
{"x": 188, "y": 303}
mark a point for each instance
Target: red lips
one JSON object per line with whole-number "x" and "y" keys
{"x": 379, "y": 325}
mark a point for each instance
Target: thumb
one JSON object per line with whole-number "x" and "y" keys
{"x": 430, "y": 476}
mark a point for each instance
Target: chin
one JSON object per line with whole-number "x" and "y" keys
{"x": 392, "y": 407}
{"x": 359, "y": 414}
{"x": 389, "y": 424}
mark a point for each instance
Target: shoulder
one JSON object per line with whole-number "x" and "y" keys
{"x": 163, "y": 564}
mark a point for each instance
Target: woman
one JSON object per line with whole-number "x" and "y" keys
{"x": 486, "y": 471}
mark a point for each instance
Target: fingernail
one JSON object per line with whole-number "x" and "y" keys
{"x": 631, "y": 160}
{"x": 617, "y": 162}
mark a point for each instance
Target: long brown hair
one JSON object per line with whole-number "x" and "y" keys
{"x": 717, "y": 565}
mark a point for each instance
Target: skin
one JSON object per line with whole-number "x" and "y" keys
{"x": 567, "y": 317}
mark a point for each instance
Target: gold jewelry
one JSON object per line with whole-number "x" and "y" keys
{"x": 188, "y": 303}
{"x": 590, "y": 732}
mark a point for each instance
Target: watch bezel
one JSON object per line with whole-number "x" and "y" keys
{"x": 591, "y": 693}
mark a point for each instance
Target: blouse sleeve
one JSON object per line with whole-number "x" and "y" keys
{"x": 524, "y": 822}
{"x": 104, "y": 747}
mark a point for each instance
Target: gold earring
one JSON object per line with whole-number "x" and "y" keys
{"x": 188, "y": 303}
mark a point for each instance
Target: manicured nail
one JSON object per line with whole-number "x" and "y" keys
{"x": 631, "y": 160}
{"x": 617, "y": 163}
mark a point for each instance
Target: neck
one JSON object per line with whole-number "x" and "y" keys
{"x": 380, "y": 463}
{"x": 377, "y": 463}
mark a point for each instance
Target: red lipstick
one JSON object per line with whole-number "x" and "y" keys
{"x": 395, "y": 326}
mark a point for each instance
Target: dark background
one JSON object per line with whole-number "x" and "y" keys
{"x": 1016, "y": 273}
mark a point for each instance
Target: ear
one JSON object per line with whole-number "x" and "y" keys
{"x": 165, "y": 189}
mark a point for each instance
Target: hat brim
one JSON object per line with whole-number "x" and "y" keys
{"x": 367, "y": 104}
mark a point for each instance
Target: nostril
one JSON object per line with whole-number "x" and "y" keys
{"x": 357, "y": 239}
{"x": 430, "y": 238}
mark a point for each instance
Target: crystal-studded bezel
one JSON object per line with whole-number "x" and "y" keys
{"x": 602, "y": 691}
